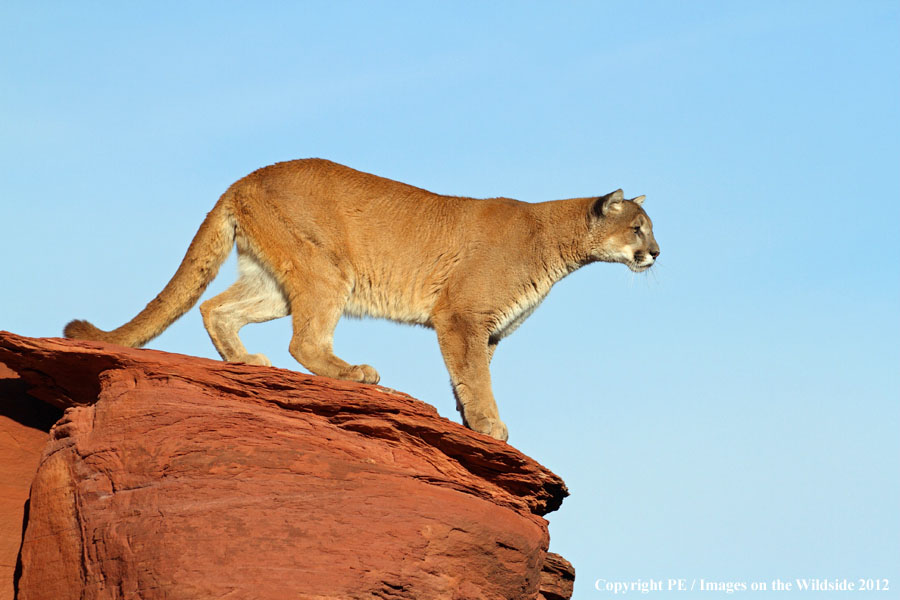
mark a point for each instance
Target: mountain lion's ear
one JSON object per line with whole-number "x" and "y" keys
{"x": 639, "y": 200}
{"x": 608, "y": 203}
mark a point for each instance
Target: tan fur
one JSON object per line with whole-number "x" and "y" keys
{"x": 317, "y": 240}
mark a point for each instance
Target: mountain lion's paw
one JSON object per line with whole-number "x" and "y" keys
{"x": 492, "y": 427}
{"x": 499, "y": 431}
{"x": 255, "y": 359}
{"x": 362, "y": 374}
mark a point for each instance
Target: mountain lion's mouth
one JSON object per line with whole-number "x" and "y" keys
{"x": 639, "y": 268}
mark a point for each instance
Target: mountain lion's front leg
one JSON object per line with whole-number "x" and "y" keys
{"x": 464, "y": 345}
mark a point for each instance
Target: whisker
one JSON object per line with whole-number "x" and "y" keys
{"x": 655, "y": 273}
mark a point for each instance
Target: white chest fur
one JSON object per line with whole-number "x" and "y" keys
{"x": 513, "y": 316}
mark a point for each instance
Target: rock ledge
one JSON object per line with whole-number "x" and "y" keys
{"x": 179, "y": 477}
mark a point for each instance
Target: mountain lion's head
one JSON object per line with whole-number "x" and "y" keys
{"x": 622, "y": 232}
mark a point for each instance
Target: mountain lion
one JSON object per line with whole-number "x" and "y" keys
{"x": 317, "y": 240}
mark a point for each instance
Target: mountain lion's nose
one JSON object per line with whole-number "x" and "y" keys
{"x": 654, "y": 253}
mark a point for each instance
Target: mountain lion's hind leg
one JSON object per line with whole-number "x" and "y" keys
{"x": 318, "y": 296}
{"x": 254, "y": 298}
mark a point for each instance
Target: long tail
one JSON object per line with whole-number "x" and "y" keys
{"x": 208, "y": 250}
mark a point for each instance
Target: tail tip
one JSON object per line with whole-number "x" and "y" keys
{"x": 82, "y": 330}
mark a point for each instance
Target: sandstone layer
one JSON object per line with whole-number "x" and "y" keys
{"x": 24, "y": 424}
{"x": 178, "y": 477}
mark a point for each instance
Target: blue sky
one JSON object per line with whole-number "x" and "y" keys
{"x": 732, "y": 415}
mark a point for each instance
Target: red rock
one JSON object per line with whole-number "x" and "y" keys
{"x": 24, "y": 424}
{"x": 557, "y": 578}
{"x": 179, "y": 477}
